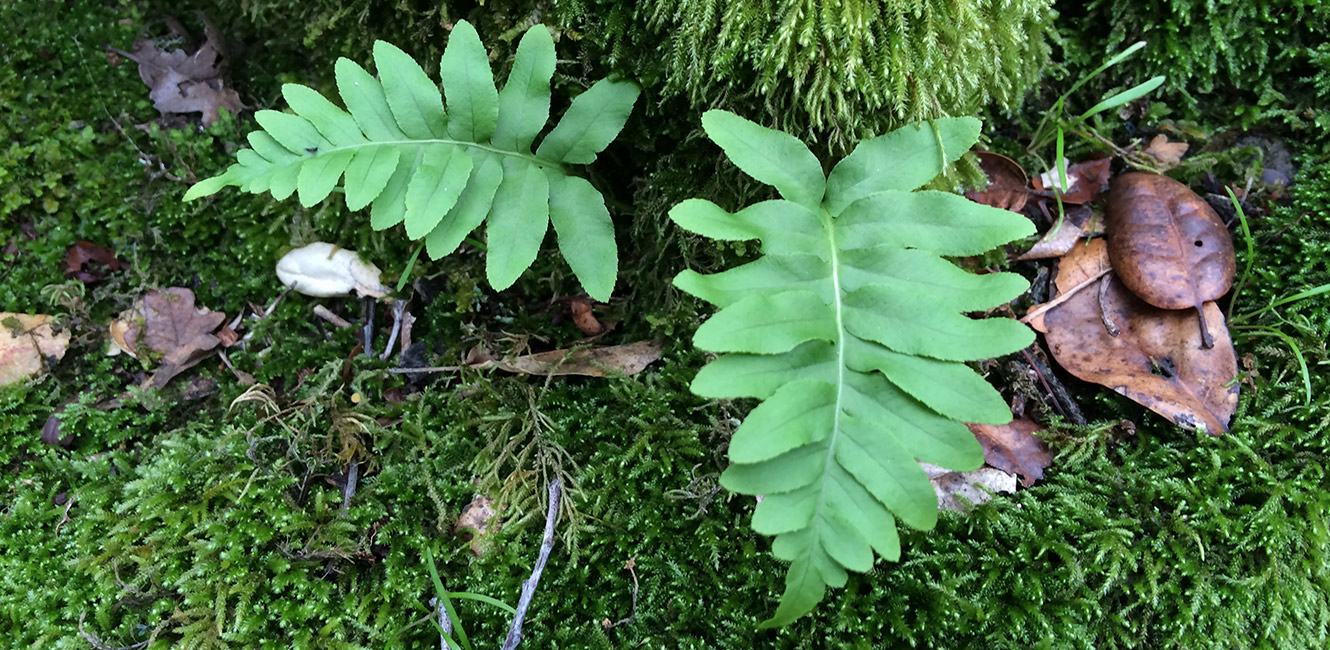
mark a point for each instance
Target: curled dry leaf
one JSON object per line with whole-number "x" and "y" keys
{"x": 79, "y": 255}
{"x": 1008, "y": 184}
{"x": 27, "y": 343}
{"x": 583, "y": 318}
{"x": 1168, "y": 245}
{"x": 1156, "y": 359}
{"x": 187, "y": 83}
{"x": 1014, "y": 448}
{"x": 1085, "y": 180}
{"x": 1080, "y": 222}
{"x": 1169, "y": 154}
{"x": 165, "y": 326}
{"x": 588, "y": 362}
{"x": 322, "y": 269}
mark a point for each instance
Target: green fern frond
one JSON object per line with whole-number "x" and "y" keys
{"x": 851, "y": 328}
{"x": 442, "y": 172}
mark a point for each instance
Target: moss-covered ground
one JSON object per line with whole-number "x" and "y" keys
{"x": 183, "y": 521}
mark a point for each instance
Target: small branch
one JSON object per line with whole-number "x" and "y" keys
{"x": 325, "y": 314}
{"x": 1109, "y": 325}
{"x": 352, "y": 476}
{"x": 631, "y": 565}
{"x": 398, "y": 308}
{"x": 369, "y": 328}
{"x": 97, "y": 643}
{"x": 529, "y": 585}
{"x": 1064, "y": 297}
{"x": 445, "y": 623}
{"x": 411, "y": 371}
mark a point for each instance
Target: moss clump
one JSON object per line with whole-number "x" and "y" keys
{"x": 1256, "y": 61}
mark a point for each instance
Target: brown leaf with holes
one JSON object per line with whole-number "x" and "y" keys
{"x": 1086, "y": 180}
{"x": 1167, "y": 244}
{"x": 181, "y": 82}
{"x": 1156, "y": 358}
{"x": 165, "y": 326}
{"x": 79, "y": 262}
{"x": 1008, "y": 184}
{"x": 27, "y": 344}
{"x": 1014, "y": 448}
{"x": 1169, "y": 154}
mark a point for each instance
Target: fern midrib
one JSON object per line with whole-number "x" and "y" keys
{"x": 828, "y": 223}
{"x": 531, "y": 158}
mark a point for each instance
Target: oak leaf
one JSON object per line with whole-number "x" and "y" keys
{"x": 1085, "y": 181}
{"x": 165, "y": 326}
{"x": 1169, "y": 154}
{"x": 180, "y": 82}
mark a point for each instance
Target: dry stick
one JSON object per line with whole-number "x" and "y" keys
{"x": 1109, "y": 325}
{"x": 1064, "y": 297}
{"x": 1056, "y": 389}
{"x": 352, "y": 476}
{"x": 398, "y": 308}
{"x": 405, "y": 371}
{"x": 529, "y": 585}
{"x": 631, "y": 566}
{"x": 325, "y": 314}
{"x": 445, "y": 623}
{"x": 97, "y": 643}
{"x": 369, "y": 329}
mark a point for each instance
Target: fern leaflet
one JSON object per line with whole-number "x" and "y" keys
{"x": 851, "y": 329}
{"x": 443, "y": 171}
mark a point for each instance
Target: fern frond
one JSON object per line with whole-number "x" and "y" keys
{"x": 850, "y": 327}
{"x": 442, "y": 172}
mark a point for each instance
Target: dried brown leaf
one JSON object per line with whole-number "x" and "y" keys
{"x": 79, "y": 255}
{"x": 1169, "y": 154}
{"x": 1080, "y": 222}
{"x": 1014, "y": 448}
{"x": 588, "y": 362}
{"x": 180, "y": 82}
{"x": 1008, "y": 184}
{"x": 166, "y": 326}
{"x": 1156, "y": 359}
{"x": 1085, "y": 180}
{"x": 583, "y": 318}
{"x": 477, "y": 521}
{"x": 1167, "y": 244}
{"x": 27, "y": 343}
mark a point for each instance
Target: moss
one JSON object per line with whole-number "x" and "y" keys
{"x": 222, "y": 527}
{"x": 1226, "y": 61}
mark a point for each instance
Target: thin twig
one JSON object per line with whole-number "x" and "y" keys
{"x": 369, "y": 328}
{"x": 1109, "y": 325}
{"x": 1064, "y": 297}
{"x": 325, "y": 314}
{"x": 352, "y": 475}
{"x": 631, "y": 565}
{"x": 445, "y": 623}
{"x": 97, "y": 643}
{"x": 409, "y": 371}
{"x": 529, "y": 585}
{"x": 398, "y": 308}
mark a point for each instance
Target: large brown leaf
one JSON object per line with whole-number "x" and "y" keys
{"x": 1156, "y": 358}
{"x": 1167, "y": 244}
{"x": 165, "y": 326}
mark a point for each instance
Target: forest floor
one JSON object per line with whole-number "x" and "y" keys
{"x": 281, "y": 487}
